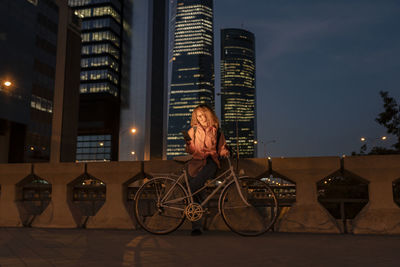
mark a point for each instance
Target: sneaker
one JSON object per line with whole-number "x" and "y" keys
{"x": 196, "y": 232}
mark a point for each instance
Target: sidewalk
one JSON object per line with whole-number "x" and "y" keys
{"x": 79, "y": 247}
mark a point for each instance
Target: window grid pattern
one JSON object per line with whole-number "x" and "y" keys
{"x": 95, "y": 49}
{"x": 102, "y": 61}
{"x": 192, "y": 81}
{"x": 101, "y": 87}
{"x": 101, "y": 45}
{"x": 238, "y": 89}
{"x": 93, "y": 148}
{"x": 99, "y": 75}
{"x": 100, "y": 23}
{"x": 77, "y": 3}
{"x": 98, "y": 12}
{"x": 42, "y": 104}
{"x": 100, "y": 36}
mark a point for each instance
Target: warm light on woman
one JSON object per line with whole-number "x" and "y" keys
{"x": 206, "y": 143}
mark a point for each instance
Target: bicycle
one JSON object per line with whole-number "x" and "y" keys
{"x": 248, "y": 206}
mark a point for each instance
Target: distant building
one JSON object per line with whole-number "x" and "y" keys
{"x": 105, "y": 75}
{"x": 66, "y": 94}
{"x": 238, "y": 92}
{"x": 29, "y": 46}
{"x": 145, "y": 108}
{"x": 192, "y": 80}
{"x": 157, "y": 95}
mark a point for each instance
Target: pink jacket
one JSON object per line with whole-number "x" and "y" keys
{"x": 202, "y": 145}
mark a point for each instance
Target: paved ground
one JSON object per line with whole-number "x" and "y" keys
{"x": 55, "y": 247}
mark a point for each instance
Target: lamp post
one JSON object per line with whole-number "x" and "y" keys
{"x": 132, "y": 131}
{"x": 10, "y": 88}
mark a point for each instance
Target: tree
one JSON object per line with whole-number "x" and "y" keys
{"x": 390, "y": 118}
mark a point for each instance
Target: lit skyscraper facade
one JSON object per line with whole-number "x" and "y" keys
{"x": 238, "y": 110}
{"x": 105, "y": 70}
{"x": 192, "y": 80}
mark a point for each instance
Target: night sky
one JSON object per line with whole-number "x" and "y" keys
{"x": 320, "y": 67}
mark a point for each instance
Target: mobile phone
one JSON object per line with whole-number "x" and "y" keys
{"x": 186, "y": 136}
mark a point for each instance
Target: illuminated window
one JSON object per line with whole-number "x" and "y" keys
{"x": 42, "y": 104}
{"x": 100, "y": 49}
{"x": 93, "y": 148}
{"x": 102, "y": 61}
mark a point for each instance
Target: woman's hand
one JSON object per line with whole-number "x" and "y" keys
{"x": 224, "y": 153}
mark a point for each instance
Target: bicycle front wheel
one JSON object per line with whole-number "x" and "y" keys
{"x": 159, "y": 206}
{"x": 256, "y": 216}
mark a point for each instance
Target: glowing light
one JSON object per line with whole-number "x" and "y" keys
{"x": 363, "y": 139}
{"x": 384, "y": 138}
{"x": 133, "y": 152}
{"x": 7, "y": 83}
{"x": 101, "y": 144}
{"x": 255, "y": 142}
{"x": 133, "y": 130}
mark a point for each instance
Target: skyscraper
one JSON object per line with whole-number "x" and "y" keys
{"x": 66, "y": 93}
{"x": 192, "y": 80}
{"x": 105, "y": 64}
{"x": 32, "y": 42}
{"x": 238, "y": 90}
{"x": 145, "y": 108}
{"x": 157, "y": 94}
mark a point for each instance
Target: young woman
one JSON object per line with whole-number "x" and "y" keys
{"x": 205, "y": 149}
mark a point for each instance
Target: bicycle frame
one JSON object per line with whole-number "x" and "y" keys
{"x": 229, "y": 176}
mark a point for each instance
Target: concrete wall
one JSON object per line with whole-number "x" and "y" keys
{"x": 380, "y": 216}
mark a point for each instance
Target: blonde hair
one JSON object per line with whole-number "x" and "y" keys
{"x": 212, "y": 119}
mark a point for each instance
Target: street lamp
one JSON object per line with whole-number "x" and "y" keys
{"x": 5, "y": 85}
{"x": 365, "y": 140}
{"x": 129, "y": 131}
{"x": 132, "y": 130}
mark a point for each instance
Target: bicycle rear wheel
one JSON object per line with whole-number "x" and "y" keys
{"x": 249, "y": 220}
{"x": 157, "y": 212}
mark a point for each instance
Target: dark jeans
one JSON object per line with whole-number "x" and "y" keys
{"x": 195, "y": 183}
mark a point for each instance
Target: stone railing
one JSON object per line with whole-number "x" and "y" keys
{"x": 381, "y": 215}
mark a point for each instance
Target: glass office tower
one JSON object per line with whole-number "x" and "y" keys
{"x": 106, "y": 34}
{"x": 32, "y": 42}
{"x": 238, "y": 110}
{"x": 192, "y": 80}
{"x": 28, "y": 59}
